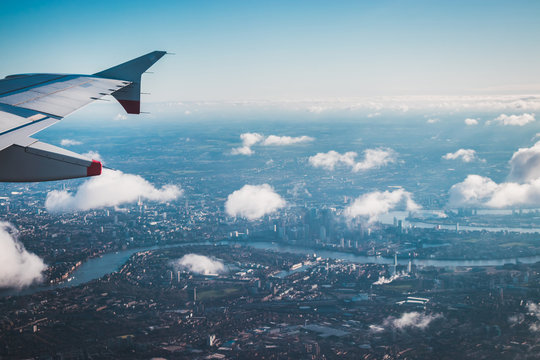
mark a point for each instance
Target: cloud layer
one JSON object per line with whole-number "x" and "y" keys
{"x": 111, "y": 188}
{"x": 18, "y": 267}
{"x": 513, "y": 120}
{"x": 199, "y": 264}
{"x": 373, "y": 158}
{"x": 371, "y": 205}
{"x": 250, "y": 139}
{"x": 253, "y": 202}
{"x": 466, "y": 155}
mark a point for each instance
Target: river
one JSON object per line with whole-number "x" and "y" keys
{"x": 98, "y": 267}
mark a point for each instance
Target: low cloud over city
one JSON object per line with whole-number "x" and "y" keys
{"x": 407, "y": 320}
{"x": 513, "y": 120}
{"x": 253, "y": 202}
{"x": 18, "y": 267}
{"x": 112, "y": 188}
{"x": 251, "y": 139}
{"x": 373, "y": 158}
{"x": 465, "y": 155}
{"x": 371, "y": 205}
{"x": 522, "y": 187}
{"x": 199, "y": 264}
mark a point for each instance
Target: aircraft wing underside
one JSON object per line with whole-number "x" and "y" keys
{"x": 31, "y": 102}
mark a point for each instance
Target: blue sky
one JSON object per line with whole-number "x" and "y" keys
{"x": 241, "y": 50}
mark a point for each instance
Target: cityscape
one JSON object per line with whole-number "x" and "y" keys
{"x": 269, "y": 180}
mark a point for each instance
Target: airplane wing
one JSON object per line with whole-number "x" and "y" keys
{"x": 31, "y": 102}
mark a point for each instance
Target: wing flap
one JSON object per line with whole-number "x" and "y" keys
{"x": 44, "y": 162}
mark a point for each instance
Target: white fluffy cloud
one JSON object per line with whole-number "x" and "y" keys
{"x": 466, "y": 155}
{"x": 111, "y": 188}
{"x": 253, "y": 202}
{"x": 93, "y": 155}
{"x": 332, "y": 158}
{"x": 471, "y": 122}
{"x": 274, "y": 140}
{"x": 525, "y": 164}
{"x": 433, "y": 121}
{"x": 521, "y": 189}
{"x": 480, "y": 191}
{"x": 199, "y": 264}
{"x": 69, "y": 142}
{"x": 513, "y": 120}
{"x": 371, "y": 205}
{"x": 18, "y": 267}
{"x": 412, "y": 319}
{"x": 373, "y": 158}
{"x": 250, "y": 139}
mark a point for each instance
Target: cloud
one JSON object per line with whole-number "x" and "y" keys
{"x": 18, "y": 267}
{"x": 521, "y": 189}
{"x": 253, "y": 202}
{"x": 111, "y": 188}
{"x": 69, "y": 142}
{"x": 433, "y": 121}
{"x": 479, "y": 191}
{"x": 274, "y": 140}
{"x": 412, "y": 319}
{"x": 534, "y": 310}
{"x": 332, "y": 158}
{"x": 94, "y": 155}
{"x": 371, "y": 205}
{"x": 471, "y": 122}
{"x": 250, "y": 139}
{"x": 466, "y": 155}
{"x": 513, "y": 120}
{"x": 525, "y": 164}
{"x": 199, "y": 264}
{"x": 373, "y": 158}
{"x": 120, "y": 117}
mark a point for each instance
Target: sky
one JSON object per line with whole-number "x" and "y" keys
{"x": 283, "y": 50}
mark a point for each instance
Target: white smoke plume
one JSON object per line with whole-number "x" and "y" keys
{"x": 253, "y": 202}
{"x": 471, "y": 122}
{"x": 466, "y": 155}
{"x": 199, "y": 264}
{"x": 69, "y": 142}
{"x": 18, "y": 267}
{"x": 250, "y": 139}
{"x": 111, "y": 188}
{"x": 371, "y": 205}
{"x": 513, "y": 120}
{"x": 373, "y": 158}
{"x": 384, "y": 280}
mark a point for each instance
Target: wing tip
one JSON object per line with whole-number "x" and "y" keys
{"x": 94, "y": 169}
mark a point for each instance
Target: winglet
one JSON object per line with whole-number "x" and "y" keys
{"x": 130, "y": 96}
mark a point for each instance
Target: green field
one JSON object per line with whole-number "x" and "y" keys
{"x": 217, "y": 293}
